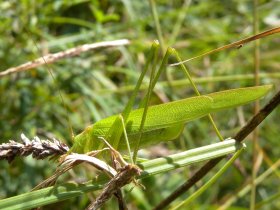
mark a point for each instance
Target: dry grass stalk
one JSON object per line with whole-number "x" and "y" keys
{"x": 40, "y": 149}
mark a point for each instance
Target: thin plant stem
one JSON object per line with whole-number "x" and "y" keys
{"x": 51, "y": 58}
{"x": 157, "y": 24}
{"x": 256, "y": 106}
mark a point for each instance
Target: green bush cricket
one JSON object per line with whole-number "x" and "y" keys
{"x": 161, "y": 122}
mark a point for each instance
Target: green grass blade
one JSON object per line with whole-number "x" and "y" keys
{"x": 212, "y": 180}
{"x": 48, "y": 195}
{"x": 164, "y": 164}
{"x": 160, "y": 165}
{"x": 157, "y": 24}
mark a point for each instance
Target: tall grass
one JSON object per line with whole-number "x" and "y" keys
{"x": 30, "y": 101}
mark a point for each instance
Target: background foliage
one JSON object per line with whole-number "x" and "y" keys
{"x": 97, "y": 84}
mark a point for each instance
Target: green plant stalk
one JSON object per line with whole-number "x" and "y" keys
{"x": 254, "y": 171}
{"x": 48, "y": 195}
{"x": 160, "y": 165}
{"x": 171, "y": 162}
{"x": 212, "y": 180}
{"x": 157, "y": 24}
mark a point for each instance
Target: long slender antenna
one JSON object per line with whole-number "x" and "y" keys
{"x": 236, "y": 44}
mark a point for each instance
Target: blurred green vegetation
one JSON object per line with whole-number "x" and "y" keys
{"x": 89, "y": 83}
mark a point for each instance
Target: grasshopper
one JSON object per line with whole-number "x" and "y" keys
{"x": 150, "y": 125}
